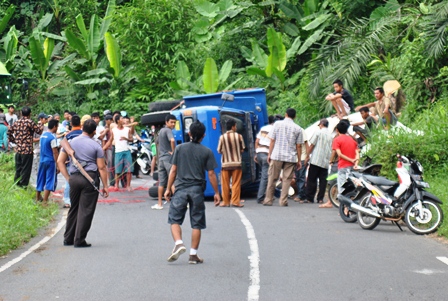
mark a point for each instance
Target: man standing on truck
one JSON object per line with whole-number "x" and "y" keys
{"x": 190, "y": 161}
{"x": 165, "y": 152}
{"x": 284, "y": 151}
{"x": 230, "y": 146}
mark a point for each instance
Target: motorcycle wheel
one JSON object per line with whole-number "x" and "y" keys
{"x": 431, "y": 220}
{"x": 333, "y": 193}
{"x": 367, "y": 222}
{"x": 347, "y": 215}
{"x": 147, "y": 165}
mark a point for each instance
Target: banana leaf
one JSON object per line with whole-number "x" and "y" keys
{"x": 92, "y": 81}
{"x": 107, "y": 18}
{"x": 291, "y": 52}
{"x": 70, "y": 72}
{"x": 94, "y": 39}
{"x": 82, "y": 27}
{"x": 277, "y": 56}
{"x": 225, "y": 71}
{"x": 76, "y": 44}
{"x": 182, "y": 74}
{"x": 113, "y": 54}
{"x": 316, "y": 36}
{"x": 37, "y": 54}
{"x": 210, "y": 76}
{"x": 8, "y": 14}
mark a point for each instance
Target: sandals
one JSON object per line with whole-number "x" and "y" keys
{"x": 66, "y": 206}
{"x": 305, "y": 202}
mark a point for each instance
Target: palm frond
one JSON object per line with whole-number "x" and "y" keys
{"x": 349, "y": 54}
{"x": 435, "y": 29}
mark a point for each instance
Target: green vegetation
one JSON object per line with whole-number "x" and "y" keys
{"x": 20, "y": 216}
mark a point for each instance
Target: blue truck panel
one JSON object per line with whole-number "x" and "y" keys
{"x": 247, "y": 107}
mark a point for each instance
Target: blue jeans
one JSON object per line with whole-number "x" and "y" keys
{"x": 262, "y": 159}
{"x": 342, "y": 178}
{"x": 301, "y": 180}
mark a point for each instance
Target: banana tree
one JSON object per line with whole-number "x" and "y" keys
{"x": 308, "y": 20}
{"x": 210, "y": 81}
{"x": 89, "y": 44}
{"x": 271, "y": 65}
{"x": 91, "y": 69}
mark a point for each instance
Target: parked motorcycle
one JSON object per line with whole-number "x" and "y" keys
{"x": 388, "y": 200}
{"x": 355, "y": 193}
{"x": 332, "y": 190}
{"x": 143, "y": 151}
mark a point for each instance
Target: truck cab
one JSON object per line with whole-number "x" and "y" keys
{"x": 246, "y": 107}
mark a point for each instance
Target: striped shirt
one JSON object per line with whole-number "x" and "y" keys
{"x": 287, "y": 135}
{"x": 230, "y": 147}
{"x": 322, "y": 141}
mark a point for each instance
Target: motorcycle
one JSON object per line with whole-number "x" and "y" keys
{"x": 332, "y": 190}
{"x": 143, "y": 152}
{"x": 388, "y": 200}
{"x": 355, "y": 193}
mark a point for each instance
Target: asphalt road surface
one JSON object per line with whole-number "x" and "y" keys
{"x": 300, "y": 252}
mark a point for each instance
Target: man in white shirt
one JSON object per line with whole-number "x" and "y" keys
{"x": 10, "y": 116}
{"x": 262, "y": 149}
{"x": 123, "y": 160}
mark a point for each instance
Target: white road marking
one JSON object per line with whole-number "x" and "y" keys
{"x": 443, "y": 259}
{"x": 428, "y": 272}
{"x": 36, "y": 246}
{"x": 254, "y": 288}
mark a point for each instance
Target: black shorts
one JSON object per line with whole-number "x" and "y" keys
{"x": 193, "y": 196}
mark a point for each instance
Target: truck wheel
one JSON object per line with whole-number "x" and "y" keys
{"x": 163, "y": 105}
{"x": 154, "y": 191}
{"x": 155, "y": 118}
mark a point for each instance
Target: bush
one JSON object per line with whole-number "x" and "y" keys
{"x": 427, "y": 142}
{"x": 20, "y": 217}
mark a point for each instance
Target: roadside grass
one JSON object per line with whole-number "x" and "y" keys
{"x": 438, "y": 188}
{"x": 20, "y": 216}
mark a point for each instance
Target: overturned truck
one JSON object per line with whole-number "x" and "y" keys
{"x": 247, "y": 107}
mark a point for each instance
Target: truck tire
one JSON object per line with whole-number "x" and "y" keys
{"x": 163, "y": 105}
{"x": 155, "y": 118}
{"x": 154, "y": 191}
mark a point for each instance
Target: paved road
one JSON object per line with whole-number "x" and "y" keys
{"x": 301, "y": 253}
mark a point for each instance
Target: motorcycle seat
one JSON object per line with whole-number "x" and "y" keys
{"x": 379, "y": 180}
{"x": 371, "y": 169}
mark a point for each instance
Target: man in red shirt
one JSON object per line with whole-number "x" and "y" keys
{"x": 347, "y": 149}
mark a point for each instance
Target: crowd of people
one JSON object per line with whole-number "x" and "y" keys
{"x": 100, "y": 151}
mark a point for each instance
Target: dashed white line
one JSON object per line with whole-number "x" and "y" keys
{"x": 443, "y": 259}
{"x": 36, "y": 246}
{"x": 253, "y": 292}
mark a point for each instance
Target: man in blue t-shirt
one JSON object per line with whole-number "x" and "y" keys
{"x": 46, "y": 175}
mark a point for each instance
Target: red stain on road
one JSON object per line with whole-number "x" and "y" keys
{"x": 109, "y": 201}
